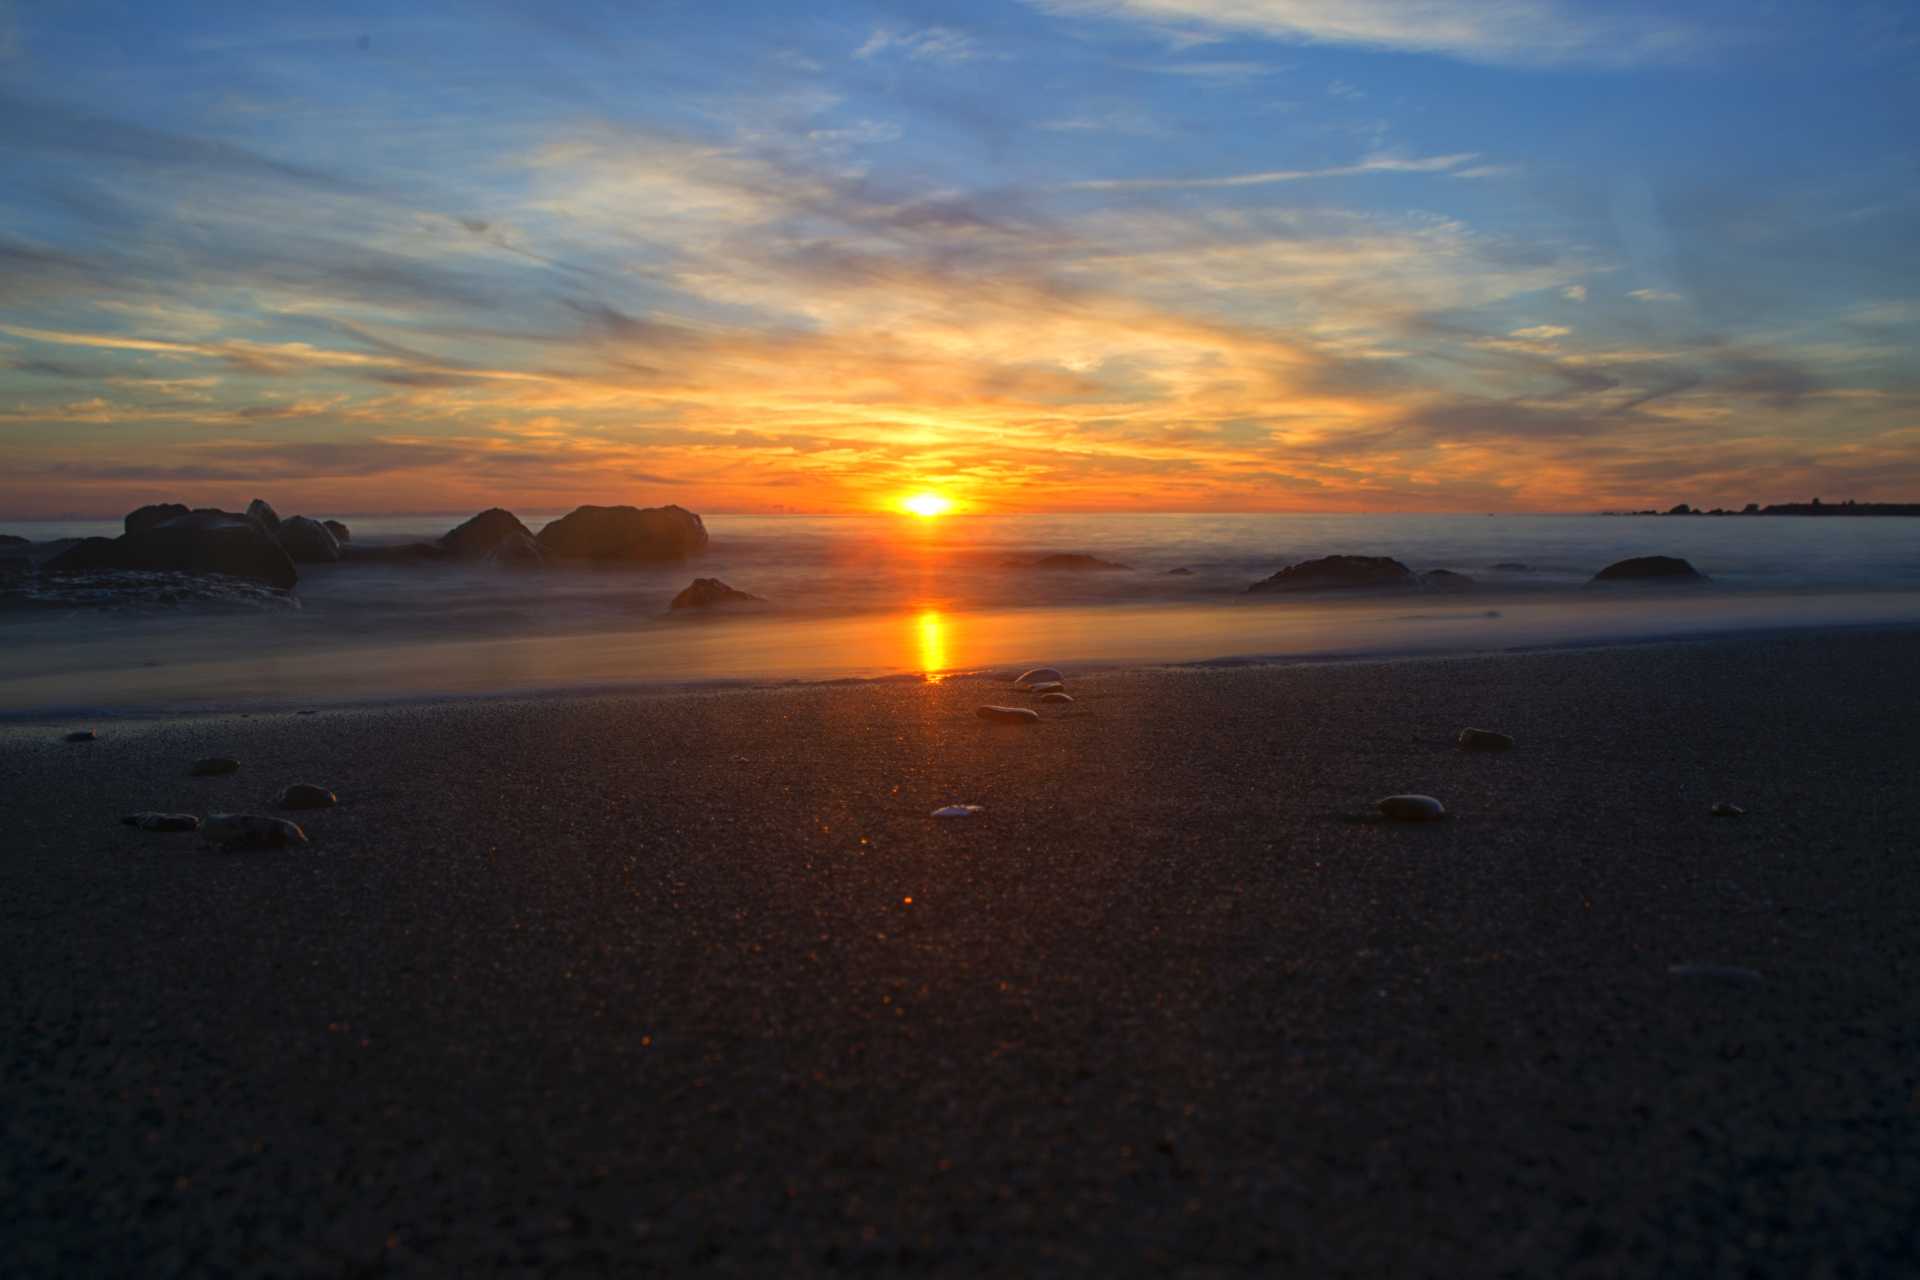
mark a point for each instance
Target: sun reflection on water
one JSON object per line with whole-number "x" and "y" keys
{"x": 933, "y": 645}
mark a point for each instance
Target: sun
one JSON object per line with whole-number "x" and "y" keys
{"x": 926, "y": 505}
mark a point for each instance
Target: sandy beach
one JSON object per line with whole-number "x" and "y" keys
{"x": 576, "y": 985}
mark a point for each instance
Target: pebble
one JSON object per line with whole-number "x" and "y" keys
{"x": 213, "y": 765}
{"x": 1038, "y": 675}
{"x": 1008, "y": 715}
{"x": 1725, "y": 810}
{"x": 150, "y": 821}
{"x": 304, "y": 795}
{"x": 1054, "y": 695}
{"x": 1412, "y": 808}
{"x": 1485, "y": 740}
{"x": 1046, "y": 686}
{"x": 958, "y": 811}
{"x": 82, "y": 735}
{"x": 253, "y": 829}
{"x": 1723, "y": 972}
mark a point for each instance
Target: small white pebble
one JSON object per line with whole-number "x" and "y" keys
{"x": 958, "y": 811}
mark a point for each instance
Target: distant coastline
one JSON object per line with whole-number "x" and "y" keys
{"x": 1814, "y": 508}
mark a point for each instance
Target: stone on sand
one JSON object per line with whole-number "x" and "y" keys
{"x": 958, "y": 811}
{"x": 304, "y": 795}
{"x": 1485, "y": 740}
{"x": 150, "y": 820}
{"x": 214, "y": 766}
{"x": 1725, "y": 810}
{"x": 1046, "y": 686}
{"x": 1039, "y": 675}
{"x": 82, "y": 735}
{"x": 1412, "y": 808}
{"x": 252, "y": 830}
{"x": 1054, "y": 695}
{"x": 1008, "y": 715}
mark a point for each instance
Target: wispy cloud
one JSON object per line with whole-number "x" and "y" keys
{"x": 1371, "y": 164}
{"x": 929, "y": 44}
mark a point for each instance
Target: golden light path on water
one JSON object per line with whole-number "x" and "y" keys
{"x": 932, "y": 632}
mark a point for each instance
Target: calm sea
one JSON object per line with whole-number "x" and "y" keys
{"x": 880, "y": 597}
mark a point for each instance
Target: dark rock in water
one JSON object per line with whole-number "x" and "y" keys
{"x": 82, "y": 735}
{"x": 401, "y": 553}
{"x": 304, "y": 795}
{"x": 1067, "y": 562}
{"x": 624, "y": 534}
{"x": 517, "y": 551}
{"x": 152, "y": 821}
{"x": 198, "y": 542}
{"x": 261, "y": 512}
{"x": 1658, "y": 569}
{"x": 14, "y": 540}
{"x": 307, "y": 541}
{"x": 158, "y": 513}
{"x": 213, "y": 766}
{"x": 478, "y": 537}
{"x": 339, "y": 531}
{"x": 15, "y": 566}
{"x": 1181, "y": 572}
{"x": 1446, "y": 580}
{"x": 1412, "y": 808}
{"x": 1340, "y": 573}
{"x": 705, "y": 593}
{"x": 252, "y": 830}
{"x": 1484, "y": 740}
{"x": 1725, "y": 810}
{"x": 1008, "y": 715}
{"x": 1512, "y": 566}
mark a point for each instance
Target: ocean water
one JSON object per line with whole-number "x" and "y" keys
{"x": 898, "y": 597}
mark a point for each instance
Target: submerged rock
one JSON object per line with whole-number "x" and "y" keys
{"x": 1054, "y": 695}
{"x": 304, "y": 795}
{"x": 1725, "y": 810}
{"x": 1485, "y": 740}
{"x": 1512, "y": 566}
{"x": 1181, "y": 572}
{"x": 1412, "y": 808}
{"x": 214, "y": 766}
{"x": 252, "y": 830}
{"x": 959, "y": 811}
{"x": 1339, "y": 573}
{"x": 307, "y": 541}
{"x": 708, "y": 593}
{"x": 1008, "y": 715}
{"x": 157, "y": 513}
{"x": 82, "y": 735}
{"x": 628, "y": 534}
{"x": 339, "y": 531}
{"x": 1446, "y": 580}
{"x": 1658, "y": 569}
{"x": 1039, "y": 675}
{"x": 153, "y": 821}
{"x": 1069, "y": 562}
{"x": 482, "y": 535}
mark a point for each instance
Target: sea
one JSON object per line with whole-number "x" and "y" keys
{"x": 906, "y": 598}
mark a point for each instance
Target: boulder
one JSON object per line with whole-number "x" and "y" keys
{"x": 1661, "y": 570}
{"x": 89, "y": 555}
{"x": 14, "y": 540}
{"x": 339, "y": 531}
{"x": 307, "y": 541}
{"x": 156, "y": 513}
{"x": 1446, "y": 580}
{"x": 706, "y": 593}
{"x": 1340, "y": 573}
{"x": 629, "y": 534}
{"x": 517, "y": 551}
{"x": 479, "y": 537}
{"x": 262, "y": 513}
{"x": 198, "y": 542}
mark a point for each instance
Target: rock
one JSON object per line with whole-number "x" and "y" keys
{"x": 624, "y": 534}
{"x": 1719, "y": 972}
{"x": 307, "y": 541}
{"x": 517, "y": 551}
{"x": 707, "y": 593}
{"x": 1071, "y": 562}
{"x": 82, "y": 735}
{"x": 151, "y": 821}
{"x": 14, "y": 540}
{"x": 1340, "y": 573}
{"x": 1045, "y": 686}
{"x": 148, "y": 516}
{"x": 480, "y": 536}
{"x": 1484, "y": 740}
{"x": 252, "y": 830}
{"x": 1512, "y": 566}
{"x": 958, "y": 811}
{"x": 15, "y": 566}
{"x": 214, "y": 766}
{"x": 1725, "y": 810}
{"x": 1412, "y": 808}
{"x": 1039, "y": 675}
{"x": 1008, "y": 715}
{"x": 407, "y": 553}
{"x": 261, "y": 512}
{"x": 1658, "y": 569}
{"x": 304, "y": 795}
{"x": 1446, "y": 580}
{"x": 1181, "y": 572}
{"x": 339, "y": 531}
{"x": 197, "y": 542}
{"x": 1055, "y": 695}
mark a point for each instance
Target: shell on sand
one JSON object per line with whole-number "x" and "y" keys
{"x": 1485, "y": 740}
{"x": 1008, "y": 715}
{"x": 152, "y": 821}
{"x": 253, "y": 829}
{"x": 1412, "y": 808}
{"x": 1038, "y": 675}
{"x": 1046, "y": 686}
{"x": 958, "y": 811}
{"x": 1054, "y": 695}
{"x": 213, "y": 766}
{"x": 304, "y": 795}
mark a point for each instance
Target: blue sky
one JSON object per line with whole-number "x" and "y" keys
{"x": 1036, "y": 254}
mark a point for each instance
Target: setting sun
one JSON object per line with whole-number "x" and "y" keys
{"x": 926, "y": 505}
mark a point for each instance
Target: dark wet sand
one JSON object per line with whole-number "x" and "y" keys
{"x": 632, "y": 983}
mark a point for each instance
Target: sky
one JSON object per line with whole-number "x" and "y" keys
{"x": 1032, "y": 255}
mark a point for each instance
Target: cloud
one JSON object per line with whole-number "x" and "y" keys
{"x": 1654, "y": 295}
{"x": 930, "y": 44}
{"x": 1371, "y": 164}
{"x": 1541, "y": 332}
{"x": 1574, "y": 293}
{"x": 1514, "y": 31}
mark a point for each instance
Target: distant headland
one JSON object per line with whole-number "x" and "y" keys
{"x": 1814, "y": 508}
